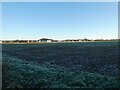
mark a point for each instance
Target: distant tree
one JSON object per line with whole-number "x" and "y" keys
{"x": 17, "y": 40}
{"x": 86, "y": 39}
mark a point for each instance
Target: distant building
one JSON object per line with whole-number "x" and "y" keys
{"x": 45, "y": 40}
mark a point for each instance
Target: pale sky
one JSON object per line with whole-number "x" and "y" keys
{"x": 60, "y": 20}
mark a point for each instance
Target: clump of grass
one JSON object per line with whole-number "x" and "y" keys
{"x": 42, "y": 84}
{"x": 13, "y": 85}
{"x": 92, "y": 80}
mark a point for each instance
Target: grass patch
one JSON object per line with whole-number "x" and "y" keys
{"x": 26, "y": 74}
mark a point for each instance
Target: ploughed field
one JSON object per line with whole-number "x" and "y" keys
{"x": 61, "y": 65}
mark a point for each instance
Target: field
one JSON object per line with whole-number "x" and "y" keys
{"x": 61, "y": 65}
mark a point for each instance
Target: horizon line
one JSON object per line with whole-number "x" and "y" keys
{"x": 65, "y": 39}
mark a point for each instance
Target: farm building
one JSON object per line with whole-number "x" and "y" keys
{"x": 45, "y": 40}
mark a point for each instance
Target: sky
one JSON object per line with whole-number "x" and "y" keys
{"x": 59, "y": 20}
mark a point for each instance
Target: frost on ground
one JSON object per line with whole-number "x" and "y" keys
{"x": 61, "y": 65}
{"x": 24, "y": 74}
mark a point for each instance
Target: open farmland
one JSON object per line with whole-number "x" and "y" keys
{"x": 61, "y": 65}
